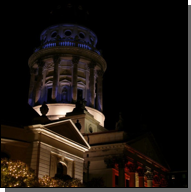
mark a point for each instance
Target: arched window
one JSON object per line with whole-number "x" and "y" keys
{"x": 61, "y": 170}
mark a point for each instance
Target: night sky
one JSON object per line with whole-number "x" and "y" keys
{"x": 146, "y": 54}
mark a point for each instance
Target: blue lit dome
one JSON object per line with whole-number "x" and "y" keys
{"x": 68, "y": 35}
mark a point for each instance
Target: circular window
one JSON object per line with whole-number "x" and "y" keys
{"x": 81, "y": 35}
{"x": 54, "y": 34}
{"x": 67, "y": 33}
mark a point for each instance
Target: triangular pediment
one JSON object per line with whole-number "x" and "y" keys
{"x": 68, "y": 129}
{"x": 147, "y": 145}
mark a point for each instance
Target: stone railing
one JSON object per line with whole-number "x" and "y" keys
{"x": 67, "y": 43}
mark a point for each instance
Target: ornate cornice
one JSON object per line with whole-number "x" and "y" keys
{"x": 62, "y": 51}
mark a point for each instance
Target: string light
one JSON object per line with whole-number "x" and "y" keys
{"x": 18, "y": 174}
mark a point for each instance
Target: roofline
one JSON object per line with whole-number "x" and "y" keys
{"x": 44, "y": 127}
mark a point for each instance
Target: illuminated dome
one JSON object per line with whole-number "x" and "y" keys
{"x": 68, "y": 35}
{"x": 63, "y": 68}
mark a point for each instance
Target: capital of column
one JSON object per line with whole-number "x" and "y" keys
{"x": 149, "y": 175}
{"x": 156, "y": 179}
{"x": 121, "y": 160}
{"x": 91, "y": 65}
{"x": 141, "y": 171}
{"x": 110, "y": 162}
{"x": 75, "y": 59}
{"x": 40, "y": 63}
{"x": 56, "y": 59}
{"x": 131, "y": 166}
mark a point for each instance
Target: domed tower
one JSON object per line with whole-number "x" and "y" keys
{"x": 65, "y": 67}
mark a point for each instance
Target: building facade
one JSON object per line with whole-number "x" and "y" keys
{"x": 66, "y": 74}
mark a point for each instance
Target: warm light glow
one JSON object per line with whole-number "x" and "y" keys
{"x": 58, "y": 110}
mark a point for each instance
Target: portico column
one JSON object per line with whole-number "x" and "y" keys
{"x": 149, "y": 179}
{"x": 156, "y": 180}
{"x": 39, "y": 81}
{"x": 75, "y": 61}
{"x": 99, "y": 91}
{"x": 56, "y": 60}
{"x": 122, "y": 160}
{"x": 132, "y": 168}
{"x": 92, "y": 83}
{"x": 141, "y": 171}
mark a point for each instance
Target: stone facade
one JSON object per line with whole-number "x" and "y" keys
{"x": 42, "y": 148}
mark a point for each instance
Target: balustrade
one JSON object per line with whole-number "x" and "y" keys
{"x": 67, "y": 43}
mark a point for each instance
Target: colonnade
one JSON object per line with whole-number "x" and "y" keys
{"x": 153, "y": 178}
{"x": 36, "y": 86}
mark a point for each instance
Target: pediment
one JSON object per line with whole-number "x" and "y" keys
{"x": 147, "y": 145}
{"x": 68, "y": 129}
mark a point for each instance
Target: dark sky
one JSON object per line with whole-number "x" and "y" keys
{"x": 146, "y": 53}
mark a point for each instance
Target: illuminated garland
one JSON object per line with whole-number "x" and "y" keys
{"x": 18, "y": 174}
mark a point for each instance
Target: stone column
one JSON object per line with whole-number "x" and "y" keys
{"x": 39, "y": 81}
{"x": 149, "y": 179}
{"x": 92, "y": 83}
{"x": 99, "y": 97}
{"x": 163, "y": 181}
{"x": 132, "y": 168}
{"x": 86, "y": 168}
{"x": 75, "y": 61}
{"x": 56, "y": 60}
{"x": 121, "y": 161}
{"x": 141, "y": 172}
{"x": 32, "y": 84}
